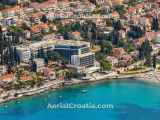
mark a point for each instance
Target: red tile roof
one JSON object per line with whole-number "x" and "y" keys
{"x": 43, "y": 5}
{"x": 7, "y": 77}
{"x": 131, "y": 10}
{"x": 37, "y": 15}
{"x": 117, "y": 52}
{"x": 37, "y": 28}
{"x": 12, "y": 9}
{"x": 140, "y": 6}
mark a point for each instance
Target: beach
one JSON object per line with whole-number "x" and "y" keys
{"x": 149, "y": 76}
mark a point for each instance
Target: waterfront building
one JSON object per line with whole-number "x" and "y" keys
{"x": 40, "y": 64}
{"x": 70, "y": 48}
{"x": 24, "y": 53}
{"x": 79, "y": 56}
{"x": 87, "y": 59}
{"x": 76, "y": 53}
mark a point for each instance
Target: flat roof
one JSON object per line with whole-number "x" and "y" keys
{"x": 52, "y": 42}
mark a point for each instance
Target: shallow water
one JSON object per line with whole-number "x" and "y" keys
{"x": 132, "y": 100}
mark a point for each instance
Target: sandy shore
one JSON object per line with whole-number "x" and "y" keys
{"x": 151, "y": 76}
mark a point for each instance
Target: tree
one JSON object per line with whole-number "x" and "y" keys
{"x": 145, "y": 52}
{"x": 106, "y": 47}
{"x": 116, "y": 25}
{"x": 154, "y": 61}
{"x": 105, "y": 65}
{"x": 127, "y": 45}
{"x": 33, "y": 66}
{"x": 46, "y": 60}
{"x": 44, "y": 19}
{"x": 135, "y": 32}
{"x": 25, "y": 26}
{"x": 100, "y": 56}
{"x": 31, "y": 57}
{"x": 76, "y": 26}
{"x": 115, "y": 37}
{"x": 2, "y": 6}
{"x": 36, "y": 38}
{"x": 16, "y": 56}
{"x": 18, "y": 74}
{"x": 15, "y": 28}
{"x": 154, "y": 23}
{"x": 120, "y": 9}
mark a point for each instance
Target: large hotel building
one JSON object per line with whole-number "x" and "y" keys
{"x": 77, "y": 53}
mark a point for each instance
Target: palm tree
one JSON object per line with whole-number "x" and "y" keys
{"x": 61, "y": 74}
{"x": 68, "y": 74}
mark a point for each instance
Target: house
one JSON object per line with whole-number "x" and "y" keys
{"x": 139, "y": 7}
{"x": 125, "y": 60}
{"x": 116, "y": 2}
{"x": 146, "y": 22}
{"x": 100, "y": 22}
{"x": 122, "y": 33}
{"x": 47, "y": 5}
{"x": 40, "y": 28}
{"x": 134, "y": 54}
{"x": 131, "y": 11}
{"x": 27, "y": 34}
{"x": 138, "y": 42}
{"x": 150, "y": 36}
{"x": 7, "y": 77}
{"x": 157, "y": 39}
{"x": 36, "y": 17}
{"x": 112, "y": 60}
{"x": 115, "y": 15}
{"x": 26, "y": 76}
{"x": 118, "y": 52}
{"x": 103, "y": 2}
{"x": 75, "y": 35}
{"x": 158, "y": 59}
{"x": 8, "y": 21}
{"x": 12, "y": 11}
{"x": 49, "y": 74}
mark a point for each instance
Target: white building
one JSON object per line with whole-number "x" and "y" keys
{"x": 77, "y": 53}
{"x": 3, "y": 69}
{"x": 86, "y": 59}
{"x": 40, "y": 64}
{"x": 24, "y": 53}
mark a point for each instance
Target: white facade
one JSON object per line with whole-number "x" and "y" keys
{"x": 3, "y": 69}
{"x": 40, "y": 64}
{"x": 25, "y": 54}
{"x": 77, "y": 59}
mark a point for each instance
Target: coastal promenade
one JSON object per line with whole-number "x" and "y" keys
{"x": 149, "y": 76}
{"x": 15, "y": 94}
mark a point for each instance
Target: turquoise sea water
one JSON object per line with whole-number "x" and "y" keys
{"x": 132, "y": 100}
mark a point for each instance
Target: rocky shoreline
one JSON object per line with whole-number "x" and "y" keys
{"x": 151, "y": 76}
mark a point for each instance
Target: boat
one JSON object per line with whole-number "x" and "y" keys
{"x": 84, "y": 91}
